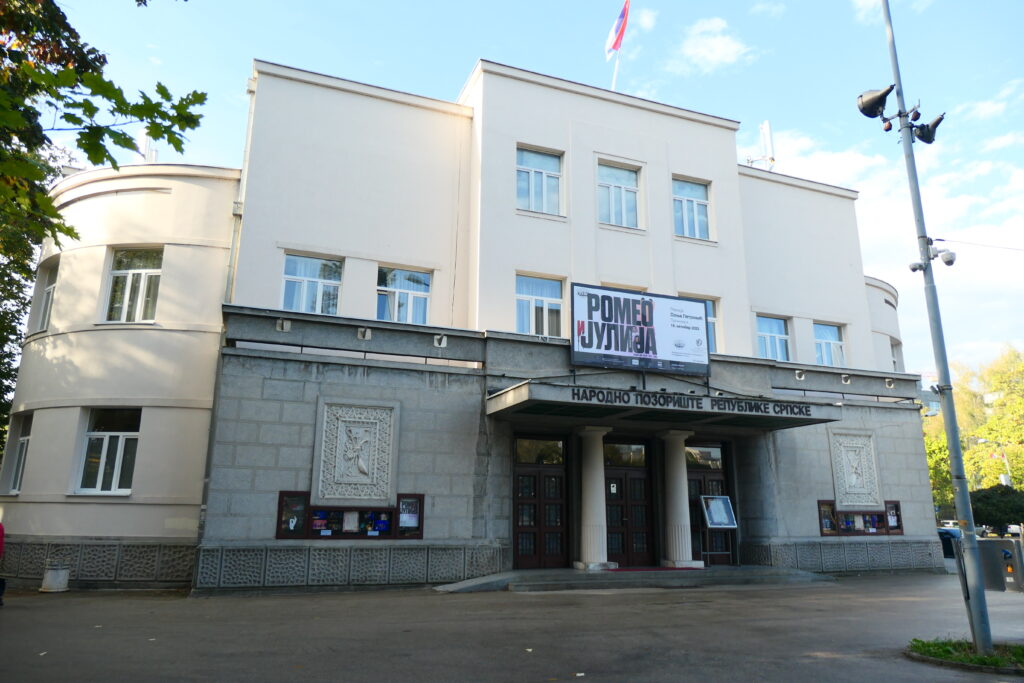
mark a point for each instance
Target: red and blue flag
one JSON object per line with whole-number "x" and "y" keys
{"x": 614, "y": 41}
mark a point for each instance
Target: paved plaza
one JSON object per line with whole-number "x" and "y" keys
{"x": 851, "y": 629}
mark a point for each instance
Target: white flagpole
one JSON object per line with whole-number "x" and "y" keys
{"x": 615, "y": 72}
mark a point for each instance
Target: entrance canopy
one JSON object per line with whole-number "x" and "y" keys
{"x": 531, "y": 400}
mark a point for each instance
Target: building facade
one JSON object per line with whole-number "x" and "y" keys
{"x": 350, "y": 363}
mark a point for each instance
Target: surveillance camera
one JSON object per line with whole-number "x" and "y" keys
{"x": 948, "y": 257}
{"x": 914, "y": 267}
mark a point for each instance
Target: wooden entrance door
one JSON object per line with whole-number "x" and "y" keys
{"x": 713, "y": 546}
{"x": 539, "y": 506}
{"x": 627, "y": 483}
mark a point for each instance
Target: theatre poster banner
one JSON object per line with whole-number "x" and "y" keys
{"x": 619, "y": 328}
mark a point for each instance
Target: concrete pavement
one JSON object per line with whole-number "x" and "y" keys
{"x": 849, "y": 630}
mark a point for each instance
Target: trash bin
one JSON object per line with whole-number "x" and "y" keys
{"x": 55, "y": 576}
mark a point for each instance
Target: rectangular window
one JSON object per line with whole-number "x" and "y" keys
{"x": 538, "y": 306}
{"x": 311, "y": 285}
{"x": 402, "y": 295}
{"x": 538, "y": 181}
{"x": 710, "y": 307}
{"x": 21, "y": 452}
{"x": 134, "y": 285}
{"x": 110, "y": 447}
{"x": 49, "y": 277}
{"x": 828, "y": 345}
{"x": 772, "y": 338}
{"x": 617, "y": 191}
{"x": 690, "y": 206}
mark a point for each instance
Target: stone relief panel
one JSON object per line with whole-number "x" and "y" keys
{"x": 854, "y": 471}
{"x": 98, "y": 562}
{"x": 138, "y": 563}
{"x": 356, "y": 454}
{"x": 177, "y": 562}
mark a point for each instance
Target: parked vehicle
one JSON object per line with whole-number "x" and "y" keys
{"x": 947, "y": 535}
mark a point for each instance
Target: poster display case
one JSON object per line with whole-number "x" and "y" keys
{"x": 859, "y": 523}
{"x": 297, "y": 519}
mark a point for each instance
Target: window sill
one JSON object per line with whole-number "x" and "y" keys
{"x": 696, "y": 240}
{"x": 143, "y": 323}
{"x": 559, "y": 218}
{"x": 622, "y": 228}
{"x": 100, "y": 494}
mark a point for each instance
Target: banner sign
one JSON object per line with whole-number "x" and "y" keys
{"x": 619, "y": 328}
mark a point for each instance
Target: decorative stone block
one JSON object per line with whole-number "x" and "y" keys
{"x": 328, "y": 566}
{"x": 833, "y": 557}
{"x": 177, "y": 562}
{"x": 901, "y": 555}
{"x": 808, "y": 557}
{"x": 208, "y": 575}
{"x": 11, "y": 559}
{"x": 369, "y": 565}
{"x": 355, "y": 460}
{"x": 481, "y": 561}
{"x": 856, "y": 556}
{"x": 33, "y": 559}
{"x": 138, "y": 563}
{"x": 69, "y": 552}
{"x": 783, "y": 555}
{"x": 924, "y": 554}
{"x": 408, "y": 565}
{"x": 878, "y": 556}
{"x": 286, "y": 566}
{"x": 756, "y": 553}
{"x": 446, "y": 565}
{"x": 98, "y": 562}
{"x": 506, "y": 558}
{"x": 854, "y": 470}
{"x": 242, "y": 567}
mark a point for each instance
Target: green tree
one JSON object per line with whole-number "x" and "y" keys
{"x": 938, "y": 472}
{"x": 50, "y": 80}
{"x": 998, "y": 506}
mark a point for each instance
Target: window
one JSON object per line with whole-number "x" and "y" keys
{"x": 617, "y": 190}
{"x": 828, "y": 345}
{"x": 772, "y": 338}
{"x": 21, "y": 452}
{"x": 690, "y": 206}
{"x": 402, "y": 295}
{"x": 134, "y": 284}
{"x": 110, "y": 447}
{"x": 311, "y": 285}
{"x": 896, "y": 351}
{"x": 538, "y": 306}
{"x": 49, "y": 278}
{"x": 710, "y": 306}
{"x": 538, "y": 177}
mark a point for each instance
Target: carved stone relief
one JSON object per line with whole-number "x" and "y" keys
{"x": 854, "y": 471}
{"x": 356, "y": 454}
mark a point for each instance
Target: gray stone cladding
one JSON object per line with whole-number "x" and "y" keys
{"x": 847, "y": 556}
{"x": 320, "y": 564}
{"x": 113, "y": 563}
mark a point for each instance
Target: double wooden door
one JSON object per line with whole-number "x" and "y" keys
{"x": 628, "y": 516}
{"x": 541, "y": 517}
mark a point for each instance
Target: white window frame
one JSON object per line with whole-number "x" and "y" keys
{"x": 545, "y": 303}
{"x": 836, "y": 349}
{"x": 145, "y": 278}
{"x": 543, "y": 176}
{"x": 619, "y": 191}
{"x": 115, "y": 480}
{"x": 46, "y": 305}
{"x": 712, "y": 323}
{"x": 687, "y": 229}
{"x": 306, "y": 282}
{"x": 394, "y": 293}
{"x": 773, "y": 342}
{"x": 20, "y": 456}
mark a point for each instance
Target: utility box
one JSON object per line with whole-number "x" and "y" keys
{"x": 1001, "y": 564}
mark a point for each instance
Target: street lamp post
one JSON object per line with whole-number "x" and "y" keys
{"x": 872, "y": 104}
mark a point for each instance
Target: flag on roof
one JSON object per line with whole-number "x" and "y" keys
{"x": 614, "y": 41}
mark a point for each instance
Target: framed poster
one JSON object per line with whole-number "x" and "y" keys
{"x": 292, "y": 514}
{"x": 621, "y": 328}
{"x": 410, "y": 515}
{"x": 718, "y": 512}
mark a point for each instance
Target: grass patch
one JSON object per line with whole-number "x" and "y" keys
{"x": 963, "y": 651}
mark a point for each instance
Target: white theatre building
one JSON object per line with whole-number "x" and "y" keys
{"x": 357, "y": 360}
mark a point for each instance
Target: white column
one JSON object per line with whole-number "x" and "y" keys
{"x": 678, "y": 547}
{"x": 593, "y": 521}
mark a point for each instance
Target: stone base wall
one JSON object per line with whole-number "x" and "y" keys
{"x": 322, "y": 565}
{"x": 846, "y": 556}
{"x": 114, "y": 563}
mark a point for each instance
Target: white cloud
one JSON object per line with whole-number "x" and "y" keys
{"x": 645, "y": 19}
{"x": 156, "y": 61}
{"x": 1002, "y": 142}
{"x": 988, "y": 109}
{"x": 708, "y": 47}
{"x": 870, "y": 11}
{"x": 771, "y": 9}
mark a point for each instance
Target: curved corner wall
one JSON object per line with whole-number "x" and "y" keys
{"x": 107, "y": 451}
{"x": 883, "y": 302}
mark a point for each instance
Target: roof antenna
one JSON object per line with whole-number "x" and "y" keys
{"x": 767, "y": 148}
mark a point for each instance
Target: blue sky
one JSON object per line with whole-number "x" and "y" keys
{"x": 799, "y": 64}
